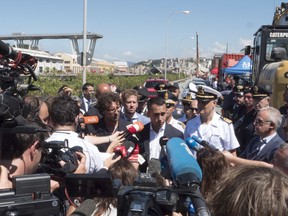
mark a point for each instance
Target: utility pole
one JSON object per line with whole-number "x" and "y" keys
{"x": 197, "y": 54}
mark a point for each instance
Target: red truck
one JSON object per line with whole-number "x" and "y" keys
{"x": 227, "y": 60}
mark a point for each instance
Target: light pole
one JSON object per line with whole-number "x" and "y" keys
{"x": 166, "y": 40}
{"x": 84, "y": 42}
{"x": 190, "y": 38}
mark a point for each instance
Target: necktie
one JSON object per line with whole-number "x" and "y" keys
{"x": 256, "y": 149}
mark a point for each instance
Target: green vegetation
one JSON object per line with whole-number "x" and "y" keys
{"x": 51, "y": 84}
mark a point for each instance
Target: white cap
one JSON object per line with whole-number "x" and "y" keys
{"x": 192, "y": 87}
{"x": 207, "y": 93}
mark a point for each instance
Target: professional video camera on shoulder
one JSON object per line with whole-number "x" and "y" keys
{"x": 30, "y": 196}
{"x": 55, "y": 152}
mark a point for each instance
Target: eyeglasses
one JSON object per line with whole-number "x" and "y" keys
{"x": 194, "y": 109}
{"x": 260, "y": 122}
{"x": 168, "y": 105}
{"x": 113, "y": 110}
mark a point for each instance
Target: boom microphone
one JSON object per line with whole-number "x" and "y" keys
{"x": 85, "y": 209}
{"x": 133, "y": 129}
{"x": 203, "y": 142}
{"x": 183, "y": 165}
{"x": 187, "y": 172}
{"x": 89, "y": 119}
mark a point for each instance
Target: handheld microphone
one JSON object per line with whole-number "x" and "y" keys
{"x": 203, "y": 142}
{"x": 85, "y": 209}
{"x": 163, "y": 142}
{"x": 183, "y": 165}
{"x": 133, "y": 129}
{"x": 186, "y": 171}
{"x": 154, "y": 166}
{"x": 192, "y": 144}
{"x": 89, "y": 119}
{"x": 134, "y": 155}
{"x": 125, "y": 150}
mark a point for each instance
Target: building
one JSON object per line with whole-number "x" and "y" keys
{"x": 46, "y": 62}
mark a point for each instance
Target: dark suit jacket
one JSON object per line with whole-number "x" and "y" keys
{"x": 100, "y": 129}
{"x": 267, "y": 153}
{"x": 144, "y": 141}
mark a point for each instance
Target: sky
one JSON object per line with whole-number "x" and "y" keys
{"x": 136, "y": 30}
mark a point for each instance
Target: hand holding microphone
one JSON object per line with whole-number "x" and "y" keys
{"x": 133, "y": 129}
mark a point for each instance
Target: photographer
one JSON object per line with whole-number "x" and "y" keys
{"x": 63, "y": 117}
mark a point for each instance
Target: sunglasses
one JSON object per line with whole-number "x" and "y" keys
{"x": 194, "y": 109}
{"x": 169, "y": 105}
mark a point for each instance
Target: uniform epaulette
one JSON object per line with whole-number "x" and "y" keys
{"x": 226, "y": 120}
{"x": 182, "y": 124}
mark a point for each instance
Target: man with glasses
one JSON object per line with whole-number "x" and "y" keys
{"x": 109, "y": 106}
{"x": 178, "y": 112}
{"x": 171, "y": 101}
{"x": 264, "y": 146}
{"x": 209, "y": 125}
{"x": 190, "y": 105}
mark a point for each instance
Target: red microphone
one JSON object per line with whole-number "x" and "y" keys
{"x": 134, "y": 156}
{"x": 125, "y": 150}
{"x": 89, "y": 119}
{"x": 133, "y": 128}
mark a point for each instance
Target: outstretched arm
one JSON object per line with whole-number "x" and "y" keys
{"x": 240, "y": 161}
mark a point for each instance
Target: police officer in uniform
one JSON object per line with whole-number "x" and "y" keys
{"x": 173, "y": 87}
{"x": 190, "y": 105}
{"x": 171, "y": 102}
{"x": 239, "y": 107}
{"x": 209, "y": 125}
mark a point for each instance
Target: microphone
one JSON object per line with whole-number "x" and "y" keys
{"x": 89, "y": 119}
{"x": 183, "y": 165}
{"x": 163, "y": 142}
{"x": 154, "y": 166}
{"x": 186, "y": 172}
{"x": 203, "y": 142}
{"x": 133, "y": 129}
{"x": 85, "y": 209}
{"x": 125, "y": 150}
{"x": 192, "y": 144}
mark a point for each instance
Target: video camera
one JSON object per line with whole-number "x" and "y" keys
{"x": 53, "y": 153}
{"x": 16, "y": 78}
{"x": 30, "y": 196}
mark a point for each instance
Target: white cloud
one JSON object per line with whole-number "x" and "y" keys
{"x": 245, "y": 42}
{"x": 109, "y": 57}
{"x": 128, "y": 53}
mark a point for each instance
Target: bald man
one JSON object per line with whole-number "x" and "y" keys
{"x": 100, "y": 90}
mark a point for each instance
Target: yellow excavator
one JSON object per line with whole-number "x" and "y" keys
{"x": 270, "y": 56}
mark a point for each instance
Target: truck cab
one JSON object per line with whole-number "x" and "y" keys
{"x": 266, "y": 39}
